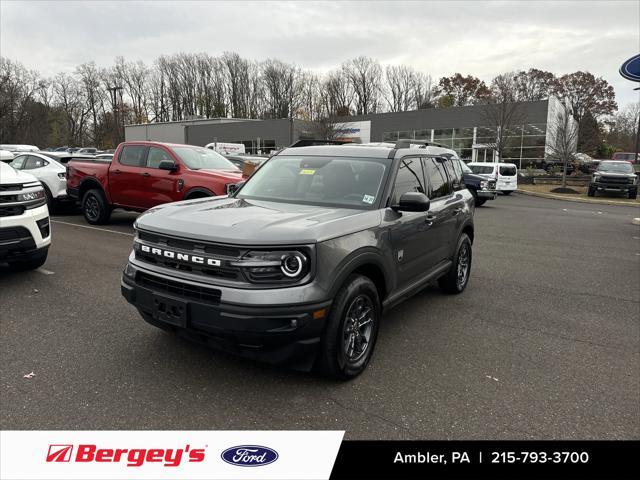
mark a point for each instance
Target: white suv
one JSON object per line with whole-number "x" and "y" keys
{"x": 25, "y": 231}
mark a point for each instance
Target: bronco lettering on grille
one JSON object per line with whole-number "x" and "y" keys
{"x": 185, "y": 257}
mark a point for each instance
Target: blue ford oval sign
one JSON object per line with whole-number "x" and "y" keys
{"x": 249, "y": 455}
{"x": 631, "y": 69}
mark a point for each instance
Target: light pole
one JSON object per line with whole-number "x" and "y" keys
{"x": 113, "y": 92}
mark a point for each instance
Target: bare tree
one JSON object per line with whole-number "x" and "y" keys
{"x": 71, "y": 100}
{"x": 364, "y": 75}
{"x": 459, "y": 91}
{"x": 503, "y": 111}
{"x": 282, "y": 84}
{"x": 95, "y": 96}
{"x": 563, "y": 139}
{"x": 337, "y": 94}
{"x": 400, "y": 91}
{"x": 424, "y": 92}
{"x": 534, "y": 85}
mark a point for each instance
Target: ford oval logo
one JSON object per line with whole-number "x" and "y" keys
{"x": 249, "y": 455}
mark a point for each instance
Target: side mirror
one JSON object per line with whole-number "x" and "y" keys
{"x": 169, "y": 165}
{"x": 233, "y": 188}
{"x": 413, "y": 202}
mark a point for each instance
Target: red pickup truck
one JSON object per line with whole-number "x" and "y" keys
{"x": 142, "y": 175}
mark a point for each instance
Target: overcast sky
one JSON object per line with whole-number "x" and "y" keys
{"x": 438, "y": 38}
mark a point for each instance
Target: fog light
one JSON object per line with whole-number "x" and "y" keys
{"x": 129, "y": 271}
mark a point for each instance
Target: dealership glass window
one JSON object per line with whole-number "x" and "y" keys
{"x": 535, "y": 152}
{"x": 466, "y": 153}
{"x": 423, "y": 134}
{"x": 535, "y": 129}
{"x": 512, "y": 153}
{"x": 268, "y": 146}
{"x": 389, "y": 136}
{"x": 408, "y": 134}
{"x": 410, "y": 178}
{"x": 489, "y": 132}
{"x": 533, "y": 141}
{"x": 460, "y": 143}
{"x": 466, "y": 132}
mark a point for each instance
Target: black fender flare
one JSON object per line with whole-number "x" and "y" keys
{"x": 357, "y": 259}
{"x": 203, "y": 190}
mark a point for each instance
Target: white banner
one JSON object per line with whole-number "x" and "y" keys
{"x": 201, "y": 455}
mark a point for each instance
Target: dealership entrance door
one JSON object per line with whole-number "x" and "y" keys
{"x": 484, "y": 152}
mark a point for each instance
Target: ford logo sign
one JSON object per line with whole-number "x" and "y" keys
{"x": 249, "y": 455}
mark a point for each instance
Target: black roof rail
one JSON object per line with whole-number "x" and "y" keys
{"x": 407, "y": 142}
{"x": 308, "y": 142}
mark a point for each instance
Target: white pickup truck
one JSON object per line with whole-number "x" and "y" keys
{"x": 25, "y": 231}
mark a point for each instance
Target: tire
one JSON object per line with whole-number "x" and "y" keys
{"x": 340, "y": 356}
{"x": 452, "y": 283}
{"x": 633, "y": 194}
{"x": 480, "y": 201}
{"x": 50, "y": 200}
{"x": 95, "y": 207}
{"x": 507, "y": 192}
{"x": 591, "y": 192}
{"x": 35, "y": 261}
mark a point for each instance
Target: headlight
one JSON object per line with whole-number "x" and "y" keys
{"x": 484, "y": 184}
{"x": 30, "y": 196}
{"x": 596, "y": 178}
{"x": 62, "y": 176}
{"x": 275, "y": 266}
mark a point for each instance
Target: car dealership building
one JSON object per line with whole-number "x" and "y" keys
{"x": 464, "y": 129}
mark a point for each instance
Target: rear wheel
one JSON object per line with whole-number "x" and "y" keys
{"x": 633, "y": 194}
{"x": 456, "y": 279}
{"x": 352, "y": 328}
{"x": 507, "y": 192}
{"x": 95, "y": 207}
{"x": 591, "y": 192}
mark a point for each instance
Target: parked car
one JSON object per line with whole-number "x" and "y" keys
{"x": 614, "y": 176}
{"x": 104, "y": 156}
{"x": 46, "y": 168}
{"x": 297, "y": 266}
{"x": 25, "y": 231}
{"x": 19, "y": 148}
{"x": 481, "y": 188}
{"x": 142, "y": 175}
{"x": 505, "y": 175}
{"x": 87, "y": 150}
{"x": 227, "y": 148}
{"x": 551, "y": 164}
{"x": 627, "y": 157}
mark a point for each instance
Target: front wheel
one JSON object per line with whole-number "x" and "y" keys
{"x": 633, "y": 194}
{"x": 456, "y": 279}
{"x": 480, "y": 201}
{"x": 95, "y": 207}
{"x": 591, "y": 192}
{"x": 351, "y": 331}
{"x": 507, "y": 192}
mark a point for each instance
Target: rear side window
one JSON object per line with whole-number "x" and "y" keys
{"x": 481, "y": 169}
{"x": 34, "y": 162}
{"x": 437, "y": 178}
{"x": 454, "y": 171}
{"x": 157, "y": 155}
{"x": 410, "y": 178}
{"x": 507, "y": 171}
{"x": 133, "y": 155}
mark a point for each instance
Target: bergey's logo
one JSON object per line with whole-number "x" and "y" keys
{"x": 59, "y": 453}
{"x": 249, "y": 455}
{"x": 184, "y": 257}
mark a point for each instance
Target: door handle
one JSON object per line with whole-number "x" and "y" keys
{"x": 117, "y": 171}
{"x": 457, "y": 211}
{"x": 145, "y": 174}
{"x": 429, "y": 219}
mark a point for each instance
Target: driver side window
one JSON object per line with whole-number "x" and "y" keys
{"x": 410, "y": 178}
{"x": 18, "y": 162}
{"x": 157, "y": 155}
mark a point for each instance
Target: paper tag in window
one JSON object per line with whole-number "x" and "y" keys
{"x": 368, "y": 199}
{"x": 307, "y": 171}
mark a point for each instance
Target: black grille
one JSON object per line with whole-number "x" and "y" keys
{"x": 11, "y": 211}
{"x": 189, "y": 245}
{"x": 14, "y": 233}
{"x": 620, "y": 180}
{"x": 222, "y": 253}
{"x": 10, "y": 187}
{"x": 43, "y": 225}
{"x": 182, "y": 290}
{"x": 8, "y": 198}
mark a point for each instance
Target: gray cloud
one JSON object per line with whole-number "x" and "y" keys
{"x": 439, "y": 38}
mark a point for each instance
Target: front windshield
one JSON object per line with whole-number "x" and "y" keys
{"x": 617, "y": 167}
{"x": 481, "y": 169}
{"x": 340, "y": 182}
{"x": 197, "y": 157}
{"x": 465, "y": 168}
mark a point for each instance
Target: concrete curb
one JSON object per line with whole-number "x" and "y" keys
{"x": 578, "y": 200}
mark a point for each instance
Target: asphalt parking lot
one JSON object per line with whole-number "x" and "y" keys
{"x": 543, "y": 344}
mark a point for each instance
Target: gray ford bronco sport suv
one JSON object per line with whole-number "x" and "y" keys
{"x": 297, "y": 265}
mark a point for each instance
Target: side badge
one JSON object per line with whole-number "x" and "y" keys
{"x": 400, "y": 255}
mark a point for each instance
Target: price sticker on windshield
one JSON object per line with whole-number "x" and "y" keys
{"x": 307, "y": 171}
{"x": 368, "y": 199}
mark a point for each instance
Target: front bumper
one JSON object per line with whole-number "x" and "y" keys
{"x": 614, "y": 187}
{"x": 488, "y": 194}
{"x": 283, "y": 334}
{"x": 22, "y": 235}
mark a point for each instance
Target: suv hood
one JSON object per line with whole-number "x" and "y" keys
{"x": 9, "y": 175}
{"x": 253, "y": 222}
{"x": 614, "y": 174}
